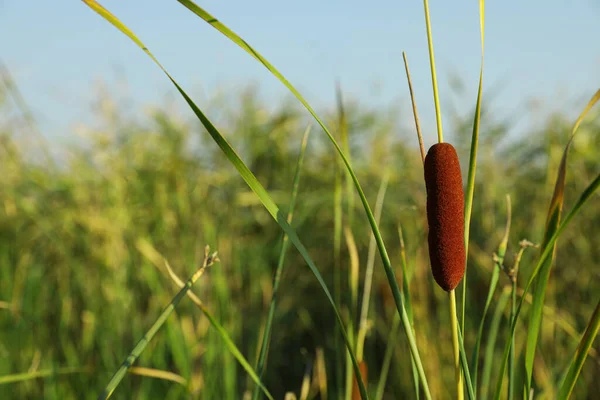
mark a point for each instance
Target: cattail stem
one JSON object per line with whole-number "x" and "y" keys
{"x": 511, "y": 354}
{"x": 454, "y": 321}
{"x": 436, "y": 97}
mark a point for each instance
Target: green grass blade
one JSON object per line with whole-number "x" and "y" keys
{"x": 486, "y": 372}
{"x": 392, "y": 337}
{"x": 262, "y": 357}
{"x": 465, "y": 364}
{"x": 436, "y": 97}
{"x": 248, "y": 177}
{"x": 27, "y": 376}
{"x": 548, "y": 250}
{"x": 233, "y": 349}
{"x": 380, "y": 244}
{"x": 580, "y": 355}
{"x": 345, "y": 138}
{"x": 143, "y": 342}
{"x": 406, "y": 294}
{"x": 492, "y": 288}
{"x": 585, "y": 196}
{"x": 387, "y": 358}
{"x": 337, "y": 263}
{"x": 553, "y": 219}
{"x": 364, "y": 312}
{"x": 472, "y": 166}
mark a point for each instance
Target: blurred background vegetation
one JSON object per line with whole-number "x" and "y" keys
{"x": 83, "y": 236}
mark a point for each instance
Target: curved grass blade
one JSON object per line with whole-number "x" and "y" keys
{"x": 580, "y": 355}
{"x": 585, "y": 196}
{"x": 499, "y": 260}
{"x": 472, "y": 167}
{"x": 552, "y": 221}
{"x": 246, "y": 174}
{"x": 380, "y": 244}
{"x": 143, "y": 342}
{"x": 233, "y": 349}
{"x": 262, "y": 357}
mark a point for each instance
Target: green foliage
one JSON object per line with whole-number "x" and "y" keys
{"x": 79, "y": 288}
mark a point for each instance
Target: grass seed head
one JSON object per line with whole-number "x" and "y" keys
{"x": 445, "y": 215}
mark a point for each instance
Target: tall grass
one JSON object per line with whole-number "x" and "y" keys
{"x": 83, "y": 242}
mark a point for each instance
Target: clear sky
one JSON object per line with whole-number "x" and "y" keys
{"x": 543, "y": 49}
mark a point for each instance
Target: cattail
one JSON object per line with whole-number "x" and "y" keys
{"x": 445, "y": 208}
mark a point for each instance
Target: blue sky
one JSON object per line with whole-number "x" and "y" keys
{"x": 547, "y": 50}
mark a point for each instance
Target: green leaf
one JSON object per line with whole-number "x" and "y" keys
{"x": 233, "y": 349}
{"x": 492, "y": 288}
{"x": 247, "y": 175}
{"x": 585, "y": 196}
{"x": 465, "y": 364}
{"x": 380, "y": 244}
{"x": 489, "y": 358}
{"x": 472, "y": 167}
{"x": 27, "y": 376}
{"x": 552, "y": 222}
{"x": 262, "y": 357}
{"x": 580, "y": 355}
{"x": 149, "y": 335}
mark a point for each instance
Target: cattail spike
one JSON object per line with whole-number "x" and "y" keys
{"x": 445, "y": 215}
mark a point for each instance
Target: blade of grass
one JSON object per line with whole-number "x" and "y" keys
{"x": 580, "y": 355}
{"x": 246, "y": 174}
{"x": 552, "y": 221}
{"x": 353, "y": 282}
{"x": 345, "y": 138}
{"x": 380, "y": 244}
{"x": 406, "y": 294}
{"x": 463, "y": 360}
{"x": 158, "y": 374}
{"x": 585, "y": 196}
{"x": 473, "y": 164}
{"x": 414, "y": 108}
{"x": 262, "y": 357}
{"x": 392, "y": 337}
{"x": 436, "y": 97}
{"x": 337, "y": 264}
{"x": 363, "y": 325}
{"x": 488, "y": 358}
{"x": 557, "y": 319}
{"x": 27, "y": 376}
{"x": 143, "y": 342}
{"x": 548, "y": 249}
{"x": 387, "y": 357}
{"x": 221, "y": 331}
{"x": 498, "y": 262}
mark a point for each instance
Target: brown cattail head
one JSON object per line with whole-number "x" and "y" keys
{"x": 445, "y": 215}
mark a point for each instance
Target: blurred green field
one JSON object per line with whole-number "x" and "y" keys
{"x": 83, "y": 239}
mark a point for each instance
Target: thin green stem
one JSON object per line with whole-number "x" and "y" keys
{"x": 460, "y": 395}
{"x": 511, "y": 355}
{"x": 284, "y": 247}
{"x": 364, "y": 312}
{"x": 436, "y": 97}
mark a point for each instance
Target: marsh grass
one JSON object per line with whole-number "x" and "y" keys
{"x": 83, "y": 244}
